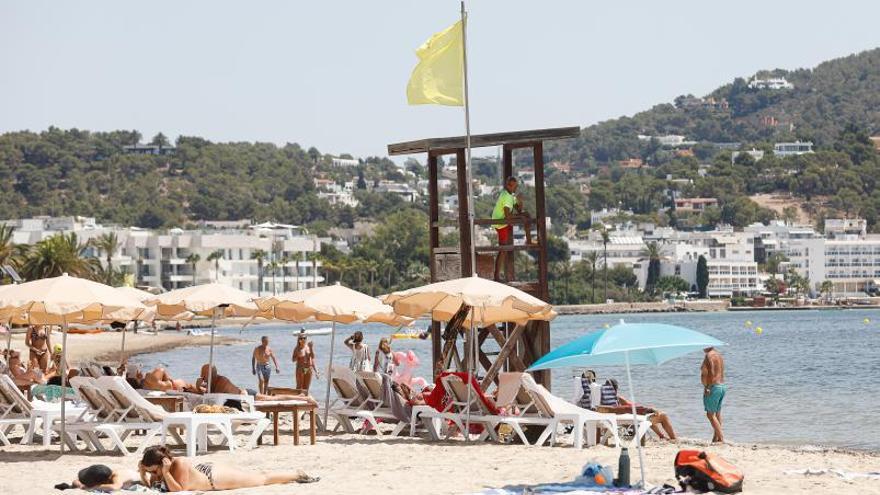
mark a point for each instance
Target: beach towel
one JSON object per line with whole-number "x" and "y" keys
{"x": 437, "y": 397}
{"x": 399, "y": 408}
{"x": 572, "y": 488}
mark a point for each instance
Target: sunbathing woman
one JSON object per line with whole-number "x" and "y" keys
{"x": 25, "y": 376}
{"x": 177, "y": 474}
{"x": 223, "y": 385}
{"x": 101, "y": 477}
{"x": 159, "y": 379}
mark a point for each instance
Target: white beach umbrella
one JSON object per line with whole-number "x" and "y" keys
{"x": 214, "y": 299}
{"x": 333, "y": 303}
{"x": 62, "y": 300}
{"x": 490, "y": 302}
{"x": 147, "y": 315}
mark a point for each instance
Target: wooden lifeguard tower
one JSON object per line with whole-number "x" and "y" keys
{"x": 518, "y": 345}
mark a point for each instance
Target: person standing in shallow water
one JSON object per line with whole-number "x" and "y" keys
{"x": 260, "y": 364}
{"x": 360, "y": 352}
{"x": 714, "y": 390}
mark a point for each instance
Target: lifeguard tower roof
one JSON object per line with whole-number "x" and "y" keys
{"x": 483, "y": 140}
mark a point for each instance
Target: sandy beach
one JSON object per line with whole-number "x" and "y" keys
{"x": 349, "y": 464}
{"x": 106, "y": 347}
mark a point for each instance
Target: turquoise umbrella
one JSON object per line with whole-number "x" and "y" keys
{"x": 627, "y": 344}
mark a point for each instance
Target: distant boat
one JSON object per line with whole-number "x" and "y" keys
{"x": 197, "y": 332}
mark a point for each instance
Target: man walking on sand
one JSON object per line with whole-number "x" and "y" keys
{"x": 712, "y": 376}
{"x": 260, "y": 364}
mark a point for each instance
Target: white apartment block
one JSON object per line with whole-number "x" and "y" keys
{"x": 624, "y": 250}
{"x": 160, "y": 258}
{"x": 792, "y": 149}
{"x": 846, "y": 254}
{"x": 729, "y": 259}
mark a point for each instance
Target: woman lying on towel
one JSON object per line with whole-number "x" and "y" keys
{"x": 177, "y": 474}
{"x": 101, "y": 477}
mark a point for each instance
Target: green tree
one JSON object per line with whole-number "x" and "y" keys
{"x": 8, "y": 249}
{"x": 672, "y": 283}
{"x": 215, "y": 257}
{"x": 606, "y": 238}
{"x": 259, "y": 255}
{"x": 703, "y": 276}
{"x": 107, "y": 244}
{"x": 826, "y": 288}
{"x": 193, "y": 260}
{"x": 652, "y": 253}
{"x": 592, "y": 258}
{"x": 56, "y": 255}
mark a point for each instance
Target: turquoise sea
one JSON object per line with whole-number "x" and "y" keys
{"x": 809, "y": 378}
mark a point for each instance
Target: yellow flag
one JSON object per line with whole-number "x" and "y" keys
{"x": 438, "y": 78}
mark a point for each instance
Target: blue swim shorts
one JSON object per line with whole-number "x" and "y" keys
{"x": 712, "y": 401}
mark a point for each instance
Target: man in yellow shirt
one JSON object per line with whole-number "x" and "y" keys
{"x": 508, "y": 207}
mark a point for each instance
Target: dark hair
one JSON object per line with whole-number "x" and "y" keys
{"x": 154, "y": 455}
{"x": 94, "y": 475}
{"x": 134, "y": 382}
{"x": 264, "y": 337}
{"x": 358, "y": 336}
{"x": 510, "y": 179}
{"x": 613, "y": 383}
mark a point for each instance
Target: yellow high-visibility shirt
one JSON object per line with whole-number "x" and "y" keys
{"x": 505, "y": 200}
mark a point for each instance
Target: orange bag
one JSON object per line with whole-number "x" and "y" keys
{"x": 705, "y": 472}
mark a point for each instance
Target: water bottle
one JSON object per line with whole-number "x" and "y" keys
{"x": 623, "y": 469}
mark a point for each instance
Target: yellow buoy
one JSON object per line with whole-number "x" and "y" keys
{"x": 867, "y": 321}
{"x": 759, "y": 330}
{"x": 607, "y": 326}
{"x": 748, "y": 323}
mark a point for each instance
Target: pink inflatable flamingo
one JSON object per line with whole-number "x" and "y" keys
{"x": 407, "y": 362}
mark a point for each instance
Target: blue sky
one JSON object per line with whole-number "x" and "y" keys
{"x": 333, "y": 73}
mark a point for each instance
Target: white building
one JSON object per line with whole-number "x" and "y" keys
{"x": 729, "y": 259}
{"x": 344, "y": 162}
{"x": 623, "y": 250}
{"x": 162, "y": 258}
{"x": 770, "y": 83}
{"x": 792, "y": 149}
{"x": 846, "y": 255}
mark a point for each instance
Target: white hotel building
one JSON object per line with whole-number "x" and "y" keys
{"x": 159, "y": 258}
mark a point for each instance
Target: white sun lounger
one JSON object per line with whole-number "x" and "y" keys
{"x": 565, "y": 412}
{"x": 195, "y": 425}
{"x": 376, "y": 410}
{"x": 11, "y": 415}
{"x": 45, "y": 413}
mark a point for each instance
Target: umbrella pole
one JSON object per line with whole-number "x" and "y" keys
{"x": 134, "y": 326}
{"x": 63, "y": 384}
{"x": 632, "y": 395}
{"x": 211, "y": 352}
{"x": 329, "y": 375}
{"x": 468, "y": 367}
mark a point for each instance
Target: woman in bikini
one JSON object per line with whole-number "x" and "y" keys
{"x": 177, "y": 474}
{"x": 304, "y": 357}
{"x": 37, "y": 340}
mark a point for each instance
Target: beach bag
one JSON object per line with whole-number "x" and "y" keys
{"x": 705, "y": 472}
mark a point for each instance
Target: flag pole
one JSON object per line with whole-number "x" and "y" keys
{"x": 467, "y": 128}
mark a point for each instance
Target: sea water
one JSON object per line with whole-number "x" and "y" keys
{"x": 807, "y": 378}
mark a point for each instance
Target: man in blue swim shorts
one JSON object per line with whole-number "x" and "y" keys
{"x": 260, "y": 364}
{"x": 714, "y": 389}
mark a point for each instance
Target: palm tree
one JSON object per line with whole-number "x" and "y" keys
{"x": 193, "y": 260}
{"x": 605, "y": 240}
{"x": 314, "y": 256}
{"x": 260, "y": 256}
{"x": 593, "y": 258}
{"x": 272, "y": 266}
{"x": 108, "y": 244}
{"x": 7, "y": 248}
{"x": 216, "y": 256}
{"x": 56, "y": 255}
{"x": 827, "y": 289}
